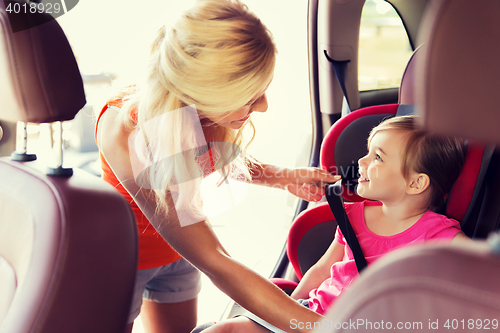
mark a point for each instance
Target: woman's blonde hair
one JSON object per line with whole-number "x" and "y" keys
{"x": 215, "y": 59}
{"x": 439, "y": 157}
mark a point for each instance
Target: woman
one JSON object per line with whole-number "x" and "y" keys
{"x": 159, "y": 138}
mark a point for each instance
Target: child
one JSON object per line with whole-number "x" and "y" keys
{"x": 409, "y": 172}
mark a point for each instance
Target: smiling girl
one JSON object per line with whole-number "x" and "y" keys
{"x": 405, "y": 176}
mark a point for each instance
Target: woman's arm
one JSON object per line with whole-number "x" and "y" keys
{"x": 307, "y": 183}
{"x": 200, "y": 246}
{"x": 318, "y": 273}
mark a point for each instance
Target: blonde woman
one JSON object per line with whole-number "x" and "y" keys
{"x": 159, "y": 138}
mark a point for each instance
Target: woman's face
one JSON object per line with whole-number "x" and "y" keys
{"x": 237, "y": 118}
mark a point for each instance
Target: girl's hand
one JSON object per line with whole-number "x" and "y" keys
{"x": 309, "y": 183}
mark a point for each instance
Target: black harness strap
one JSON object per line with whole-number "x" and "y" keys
{"x": 336, "y": 203}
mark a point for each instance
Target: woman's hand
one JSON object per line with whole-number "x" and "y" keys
{"x": 309, "y": 183}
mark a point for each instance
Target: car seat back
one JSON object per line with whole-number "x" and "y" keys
{"x": 68, "y": 243}
{"x": 456, "y": 87}
{"x": 457, "y": 80}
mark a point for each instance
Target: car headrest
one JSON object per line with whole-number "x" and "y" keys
{"x": 458, "y": 74}
{"x": 39, "y": 77}
{"x": 407, "y": 86}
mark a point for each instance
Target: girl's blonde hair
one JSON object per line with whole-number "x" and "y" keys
{"x": 216, "y": 58}
{"x": 439, "y": 157}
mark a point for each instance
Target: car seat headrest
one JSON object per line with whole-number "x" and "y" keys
{"x": 407, "y": 86}
{"x": 39, "y": 77}
{"x": 457, "y": 76}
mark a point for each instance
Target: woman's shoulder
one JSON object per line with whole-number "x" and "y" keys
{"x": 112, "y": 136}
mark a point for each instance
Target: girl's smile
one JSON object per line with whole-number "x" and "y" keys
{"x": 363, "y": 180}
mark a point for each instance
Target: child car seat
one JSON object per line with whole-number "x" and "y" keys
{"x": 68, "y": 243}
{"x": 314, "y": 229}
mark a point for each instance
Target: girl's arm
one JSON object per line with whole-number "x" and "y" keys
{"x": 318, "y": 273}
{"x": 200, "y": 246}
{"x": 460, "y": 237}
{"x": 307, "y": 183}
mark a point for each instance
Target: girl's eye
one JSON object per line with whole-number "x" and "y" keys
{"x": 378, "y": 158}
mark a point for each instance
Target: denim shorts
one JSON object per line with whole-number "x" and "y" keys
{"x": 173, "y": 283}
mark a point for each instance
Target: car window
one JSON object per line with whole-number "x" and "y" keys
{"x": 384, "y": 47}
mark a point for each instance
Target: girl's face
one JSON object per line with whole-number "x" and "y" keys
{"x": 381, "y": 177}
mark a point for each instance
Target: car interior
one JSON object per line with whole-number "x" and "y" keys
{"x": 59, "y": 245}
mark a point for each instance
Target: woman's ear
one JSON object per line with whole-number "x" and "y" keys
{"x": 418, "y": 183}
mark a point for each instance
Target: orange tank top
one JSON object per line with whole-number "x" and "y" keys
{"x": 154, "y": 251}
